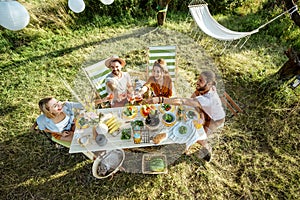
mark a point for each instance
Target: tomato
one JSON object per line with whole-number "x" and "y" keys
{"x": 146, "y": 111}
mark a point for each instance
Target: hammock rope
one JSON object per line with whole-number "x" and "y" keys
{"x": 290, "y": 11}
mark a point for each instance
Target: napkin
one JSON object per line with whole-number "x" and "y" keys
{"x": 171, "y": 131}
{"x": 197, "y": 134}
{"x": 194, "y": 136}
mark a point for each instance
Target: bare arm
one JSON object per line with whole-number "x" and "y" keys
{"x": 130, "y": 89}
{"x": 193, "y": 95}
{"x": 51, "y": 132}
{"x": 111, "y": 85}
{"x": 193, "y": 102}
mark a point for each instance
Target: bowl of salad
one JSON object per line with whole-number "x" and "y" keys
{"x": 130, "y": 112}
{"x": 166, "y": 108}
{"x": 168, "y": 119}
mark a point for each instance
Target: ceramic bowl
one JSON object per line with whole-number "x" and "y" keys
{"x": 168, "y": 119}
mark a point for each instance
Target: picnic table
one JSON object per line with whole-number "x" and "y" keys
{"x": 84, "y": 139}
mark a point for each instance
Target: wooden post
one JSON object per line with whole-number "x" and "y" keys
{"x": 162, "y": 11}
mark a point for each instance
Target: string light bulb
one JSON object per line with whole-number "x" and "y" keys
{"x": 107, "y": 2}
{"x": 13, "y": 15}
{"x": 77, "y": 6}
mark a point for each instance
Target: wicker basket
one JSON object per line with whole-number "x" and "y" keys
{"x": 109, "y": 163}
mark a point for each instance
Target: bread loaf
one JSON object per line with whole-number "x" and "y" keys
{"x": 159, "y": 138}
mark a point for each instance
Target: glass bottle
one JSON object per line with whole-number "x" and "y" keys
{"x": 137, "y": 137}
{"x": 180, "y": 113}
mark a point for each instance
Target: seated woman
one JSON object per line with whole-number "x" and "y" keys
{"x": 160, "y": 82}
{"x": 57, "y": 118}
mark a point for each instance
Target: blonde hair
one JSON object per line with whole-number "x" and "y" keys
{"x": 43, "y": 105}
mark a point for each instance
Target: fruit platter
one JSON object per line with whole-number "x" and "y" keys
{"x": 113, "y": 124}
{"x": 147, "y": 109}
{"x": 130, "y": 112}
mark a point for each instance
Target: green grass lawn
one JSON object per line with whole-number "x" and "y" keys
{"x": 256, "y": 156}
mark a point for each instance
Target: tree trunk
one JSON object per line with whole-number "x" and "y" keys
{"x": 295, "y": 15}
{"x": 290, "y": 67}
{"x": 162, "y": 11}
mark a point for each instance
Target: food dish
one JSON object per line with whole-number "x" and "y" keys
{"x": 137, "y": 124}
{"x": 147, "y": 109}
{"x": 113, "y": 125}
{"x": 82, "y": 123}
{"x": 158, "y": 138}
{"x": 126, "y": 134}
{"x": 168, "y": 119}
{"x": 166, "y": 108}
{"x": 192, "y": 114}
{"x": 178, "y": 130}
{"x": 181, "y": 133}
{"x": 130, "y": 112}
{"x": 152, "y": 121}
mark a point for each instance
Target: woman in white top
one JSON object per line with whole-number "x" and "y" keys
{"x": 57, "y": 118}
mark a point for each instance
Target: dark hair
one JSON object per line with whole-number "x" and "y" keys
{"x": 210, "y": 77}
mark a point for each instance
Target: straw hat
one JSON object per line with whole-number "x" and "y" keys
{"x": 113, "y": 59}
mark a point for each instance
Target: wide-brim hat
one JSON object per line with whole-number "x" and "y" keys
{"x": 113, "y": 59}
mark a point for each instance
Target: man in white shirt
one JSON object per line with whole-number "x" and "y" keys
{"x": 206, "y": 101}
{"x": 118, "y": 83}
{"x": 206, "y": 94}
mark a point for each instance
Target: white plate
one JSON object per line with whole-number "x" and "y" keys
{"x": 181, "y": 138}
{"x": 195, "y": 115}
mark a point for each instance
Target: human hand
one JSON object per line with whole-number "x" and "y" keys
{"x": 98, "y": 101}
{"x": 66, "y": 133}
{"x": 153, "y": 100}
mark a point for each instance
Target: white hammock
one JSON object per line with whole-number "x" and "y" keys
{"x": 212, "y": 28}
